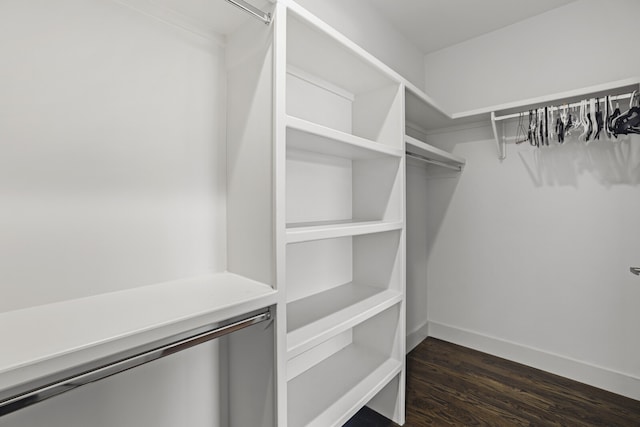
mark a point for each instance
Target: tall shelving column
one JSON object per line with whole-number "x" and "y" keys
{"x": 250, "y": 216}
{"x": 340, "y": 181}
{"x": 428, "y": 167}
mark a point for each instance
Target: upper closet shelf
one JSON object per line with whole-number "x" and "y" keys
{"x": 334, "y": 83}
{"x": 423, "y": 114}
{"x": 43, "y": 340}
{"x": 308, "y": 136}
{"x": 430, "y": 154}
{"x": 501, "y": 113}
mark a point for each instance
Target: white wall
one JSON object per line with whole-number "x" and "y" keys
{"x": 584, "y": 43}
{"x": 112, "y": 175}
{"x": 367, "y": 27}
{"x": 530, "y": 256}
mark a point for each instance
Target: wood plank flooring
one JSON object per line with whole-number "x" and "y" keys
{"x": 450, "y": 385}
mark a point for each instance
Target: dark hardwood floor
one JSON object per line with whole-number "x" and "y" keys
{"x": 449, "y": 385}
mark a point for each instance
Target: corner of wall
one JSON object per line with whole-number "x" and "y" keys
{"x": 597, "y": 376}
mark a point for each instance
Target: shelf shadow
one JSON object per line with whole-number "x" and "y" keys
{"x": 611, "y": 163}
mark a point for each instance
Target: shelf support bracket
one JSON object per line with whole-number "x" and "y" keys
{"x": 500, "y": 144}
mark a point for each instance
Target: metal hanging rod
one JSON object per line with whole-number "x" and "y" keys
{"x": 252, "y": 10}
{"x": 434, "y": 162}
{"x": 555, "y": 107}
{"x": 24, "y": 395}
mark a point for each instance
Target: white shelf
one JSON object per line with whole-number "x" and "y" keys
{"x": 423, "y": 149}
{"x": 502, "y": 112}
{"x": 600, "y": 90}
{"x": 316, "y": 318}
{"x": 333, "y": 82}
{"x": 307, "y": 136}
{"x": 45, "y": 339}
{"x": 306, "y": 232}
{"x": 335, "y": 389}
{"x": 424, "y": 114}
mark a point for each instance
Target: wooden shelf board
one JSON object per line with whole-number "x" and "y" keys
{"x": 426, "y": 150}
{"x": 335, "y": 389}
{"x": 41, "y": 340}
{"x": 317, "y": 318}
{"x": 306, "y": 232}
{"x": 308, "y": 136}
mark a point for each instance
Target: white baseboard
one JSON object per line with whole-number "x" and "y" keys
{"x": 597, "y": 376}
{"x": 417, "y": 336}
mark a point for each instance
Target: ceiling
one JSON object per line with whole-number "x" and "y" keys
{"x": 429, "y": 24}
{"x": 435, "y": 24}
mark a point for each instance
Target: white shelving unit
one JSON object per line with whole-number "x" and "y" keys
{"x": 42, "y": 340}
{"x": 186, "y": 216}
{"x": 342, "y": 236}
{"x": 337, "y": 386}
{"x": 422, "y": 115}
{"x": 428, "y": 167}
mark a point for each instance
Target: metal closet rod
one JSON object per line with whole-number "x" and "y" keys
{"x": 26, "y": 395}
{"x": 434, "y": 162}
{"x": 252, "y": 10}
{"x": 561, "y": 105}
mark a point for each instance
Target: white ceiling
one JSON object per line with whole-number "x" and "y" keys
{"x": 429, "y": 24}
{"x": 435, "y": 24}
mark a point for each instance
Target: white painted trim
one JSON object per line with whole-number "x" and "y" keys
{"x": 175, "y": 19}
{"x": 416, "y": 336}
{"x": 597, "y": 376}
{"x": 279, "y": 205}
